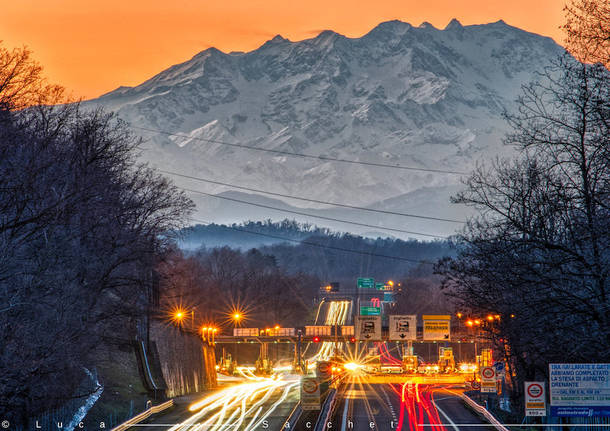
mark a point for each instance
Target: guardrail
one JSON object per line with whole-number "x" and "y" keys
{"x": 326, "y": 411}
{"x": 293, "y": 417}
{"x": 483, "y": 412}
{"x": 145, "y": 414}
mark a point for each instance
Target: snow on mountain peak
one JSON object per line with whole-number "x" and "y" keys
{"x": 400, "y": 94}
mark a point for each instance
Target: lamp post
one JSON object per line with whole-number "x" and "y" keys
{"x": 459, "y": 319}
{"x": 236, "y": 317}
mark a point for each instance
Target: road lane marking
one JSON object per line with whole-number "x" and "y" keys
{"x": 455, "y": 427}
{"x": 344, "y": 416}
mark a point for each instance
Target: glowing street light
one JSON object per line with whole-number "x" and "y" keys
{"x": 177, "y": 316}
{"x": 207, "y": 333}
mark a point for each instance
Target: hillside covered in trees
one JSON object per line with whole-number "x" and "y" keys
{"x": 327, "y": 255}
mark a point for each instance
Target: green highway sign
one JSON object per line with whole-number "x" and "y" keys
{"x": 370, "y": 311}
{"x": 380, "y": 286}
{"x": 366, "y": 283}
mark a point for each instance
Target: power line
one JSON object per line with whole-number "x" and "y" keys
{"x": 314, "y": 244}
{"x": 310, "y": 200}
{"x": 308, "y": 156}
{"x": 311, "y": 215}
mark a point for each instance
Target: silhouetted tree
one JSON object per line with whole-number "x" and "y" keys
{"x": 539, "y": 251}
{"x": 588, "y": 30}
{"x": 81, "y": 224}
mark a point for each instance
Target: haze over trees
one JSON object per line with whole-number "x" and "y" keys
{"x": 538, "y": 253}
{"x": 81, "y": 226}
{"x": 328, "y": 255}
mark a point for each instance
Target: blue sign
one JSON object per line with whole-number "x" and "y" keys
{"x": 579, "y": 412}
{"x": 579, "y": 390}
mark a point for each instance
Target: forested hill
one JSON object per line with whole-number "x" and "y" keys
{"x": 248, "y": 235}
{"x": 328, "y": 255}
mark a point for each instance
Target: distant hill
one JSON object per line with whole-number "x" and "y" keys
{"x": 327, "y": 255}
{"x": 247, "y": 235}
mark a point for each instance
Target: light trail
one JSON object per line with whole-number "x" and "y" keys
{"x": 247, "y": 403}
{"x": 417, "y": 408}
{"x": 337, "y": 315}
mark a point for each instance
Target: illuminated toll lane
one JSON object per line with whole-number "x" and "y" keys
{"x": 401, "y": 406}
{"x": 337, "y": 315}
{"x": 260, "y": 403}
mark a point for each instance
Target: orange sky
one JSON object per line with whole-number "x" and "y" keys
{"x": 93, "y": 46}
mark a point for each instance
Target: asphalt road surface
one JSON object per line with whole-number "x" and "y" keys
{"x": 404, "y": 407}
{"x": 258, "y": 404}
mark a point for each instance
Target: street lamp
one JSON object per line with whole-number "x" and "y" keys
{"x": 236, "y": 316}
{"x": 177, "y": 316}
{"x": 207, "y": 334}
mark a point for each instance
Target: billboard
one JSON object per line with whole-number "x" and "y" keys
{"x": 436, "y": 327}
{"x": 403, "y": 327}
{"x": 579, "y": 390}
{"x": 535, "y": 399}
{"x": 368, "y": 328}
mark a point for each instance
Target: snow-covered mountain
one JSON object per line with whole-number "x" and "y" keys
{"x": 411, "y": 96}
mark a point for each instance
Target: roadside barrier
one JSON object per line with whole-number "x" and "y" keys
{"x": 483, "y": 412}
{"x": 326, "y": 412}
{"x": 145, "y": 414}
{"x": 293, "y": 417}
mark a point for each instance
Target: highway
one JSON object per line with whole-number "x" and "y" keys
{"x": 252, "y": 404}
{"x": 365, "y": 400}
{"x": 404, "y": 407}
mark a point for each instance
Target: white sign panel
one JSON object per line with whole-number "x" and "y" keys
{"x": 323, "y": 370}
{"x": 403, "y": 327}
{"x": 368, "y": 328}
{"x": 488, "y": 379}
{"x": 579, "y": 389}
{"x": 310, "y": 393}
{"x": 535, "y": 399}
{"x": 436, "y": 327}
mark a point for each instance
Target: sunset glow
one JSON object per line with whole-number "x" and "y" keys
{"x": 94, "y": 47}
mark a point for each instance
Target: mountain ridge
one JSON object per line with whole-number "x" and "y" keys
{"x": 415, "y": 96}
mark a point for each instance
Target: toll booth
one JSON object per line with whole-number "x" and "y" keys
{"x": 409, "y": 363}
{"x": 263, "y": 364}
{"x": 227, "y": 365}
{"x": 446, "y": 362}
{"x": 486, "y": 358}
